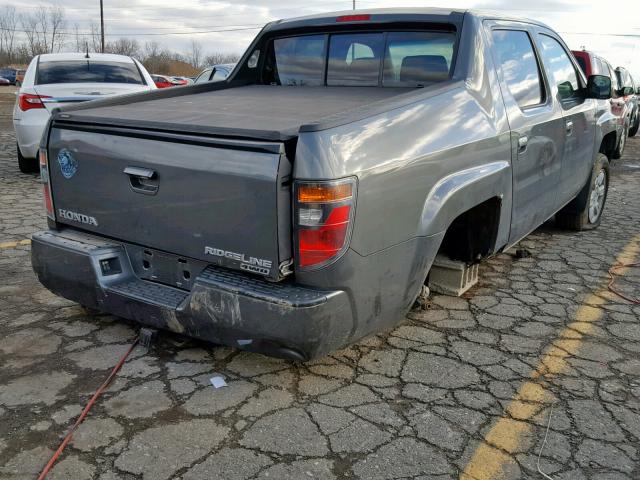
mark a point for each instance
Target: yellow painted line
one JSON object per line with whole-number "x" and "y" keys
{"x": 14, "y": 244}
{"x": 507, "y": 436}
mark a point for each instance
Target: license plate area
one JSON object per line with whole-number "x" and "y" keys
{"x": 166, "y": 268}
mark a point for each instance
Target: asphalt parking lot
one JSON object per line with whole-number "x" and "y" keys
{"x": 538, "y": 357}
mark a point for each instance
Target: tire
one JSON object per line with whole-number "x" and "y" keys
{"x": 26, "y": 165}
{"x": 635, "y": 125}
{"x": 619, "y": 151}
{"x": 585, "y": 211}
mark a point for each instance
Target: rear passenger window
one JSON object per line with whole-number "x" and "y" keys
{"x": 298, "y": 61}
{"x": 559, "y": 68}
{"x": 355, "y": 59}
{"x": 417, "y": 58}
{"x": 519, "y": 66}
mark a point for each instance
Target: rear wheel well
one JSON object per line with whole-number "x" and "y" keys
{"x": 472, "y": 235}
{"x": 609, "y": 144}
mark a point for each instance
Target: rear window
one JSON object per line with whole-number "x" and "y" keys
{"x": 88, "y": 72}
{"x": 389, "y": 59}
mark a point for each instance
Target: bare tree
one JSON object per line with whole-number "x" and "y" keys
{"x": 195, "y": 56}
{"x": 95, "y": 40}
{"x": 124, "y": 46}
{"x": 81, "y": 40}
{"x": 219, "y": 57}
{"x": 57, "y": 23}
{"x": 44, "y": 30}
{"x": 8, "y": 27}
{"x": 31, "y": 24}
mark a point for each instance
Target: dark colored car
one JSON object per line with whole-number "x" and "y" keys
{"x": 20, "y": 77}
{"x": 593, "y": 64}
{"x": 9, "y": 74}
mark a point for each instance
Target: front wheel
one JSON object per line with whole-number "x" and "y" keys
{"x": 635, "y": 124}
{"x": 585, "y": 211}
{"x": 619, "y": 151}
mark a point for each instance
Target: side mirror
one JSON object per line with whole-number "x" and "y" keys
{"x": 627, "y": 91}
{"x": 599, "y": 87}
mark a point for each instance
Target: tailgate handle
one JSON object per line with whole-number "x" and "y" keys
{"x": 139, "y": 180}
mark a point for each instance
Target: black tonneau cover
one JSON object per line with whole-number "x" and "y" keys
{"x": 266, "y": 112}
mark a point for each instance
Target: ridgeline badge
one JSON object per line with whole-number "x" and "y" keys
{"x": 68, "y": 163}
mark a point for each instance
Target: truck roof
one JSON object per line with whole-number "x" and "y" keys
{"x": 378, "y": 15}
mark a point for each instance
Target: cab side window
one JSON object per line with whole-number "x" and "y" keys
{"x": 615, "y": 84}
{"x": 519, "y": 66}
{"x": 559, "y": 67}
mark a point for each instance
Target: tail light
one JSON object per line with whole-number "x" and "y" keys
{"x": 46, "y": 183}
{"x": 354, "y": 18}
{"x": 323, "y": 220}
{"x": 28, "y": 101}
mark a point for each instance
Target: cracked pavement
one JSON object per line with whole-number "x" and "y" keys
{"x": 463, "y": 389}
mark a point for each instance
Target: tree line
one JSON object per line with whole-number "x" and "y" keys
{"x": 25, "y": 35}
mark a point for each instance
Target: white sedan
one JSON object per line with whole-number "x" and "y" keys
{"x": 57, "y": 79}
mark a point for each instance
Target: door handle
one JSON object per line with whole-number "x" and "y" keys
{"x": 522, "y": 143}
{"x": 569, "y": 126}
{"x": 139, "y": 180}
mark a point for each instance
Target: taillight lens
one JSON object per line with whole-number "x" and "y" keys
{"x": 354, "y": 18}
{"x": 28, "y": 101}
{"x": 323, "y": 219}
{"x": 46, "y": 183}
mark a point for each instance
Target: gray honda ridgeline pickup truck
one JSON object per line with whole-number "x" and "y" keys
{"x": 299, "y": 205}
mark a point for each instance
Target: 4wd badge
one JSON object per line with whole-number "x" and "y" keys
{"x": 68, "y": 163}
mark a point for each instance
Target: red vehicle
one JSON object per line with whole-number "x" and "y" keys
{"x": 20, "y": 77}
{"x": 620, "y": 108}
{"x": 164, "y": 81}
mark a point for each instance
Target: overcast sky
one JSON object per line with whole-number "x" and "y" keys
{"x": 174, "y": 23}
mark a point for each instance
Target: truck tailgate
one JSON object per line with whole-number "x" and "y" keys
{"x": 226, "y": 202}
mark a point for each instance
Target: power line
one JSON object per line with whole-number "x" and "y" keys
{"x": 632, "y": 35}
{"x": 140, "y": 33}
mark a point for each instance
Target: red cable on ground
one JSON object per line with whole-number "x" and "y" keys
{"x": 612, "y": 278}
{"x": 86, "y": 409}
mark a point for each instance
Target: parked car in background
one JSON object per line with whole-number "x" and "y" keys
{"x": 616, "y": 106}
{"x": 4, "y": 81}
{"x": 57, "y": 79}
{"x": 165, "y": 81}
{"x": 299, "y": 205}
{"x": 20, "y": 77}
{"x": 629, "y": 93}
{"x": 9, "y": 74}
{"x": 215, "y": 73}
{"x": 184, "y": 80}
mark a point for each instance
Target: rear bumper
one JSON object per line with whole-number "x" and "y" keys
{"x": 279, "y": 319}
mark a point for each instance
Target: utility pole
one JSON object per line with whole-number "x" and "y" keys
{"x": 354, "y": 4}
{"x": 102, "y": 28}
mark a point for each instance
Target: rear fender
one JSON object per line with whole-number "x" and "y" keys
{"x": 458, "y": 192}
